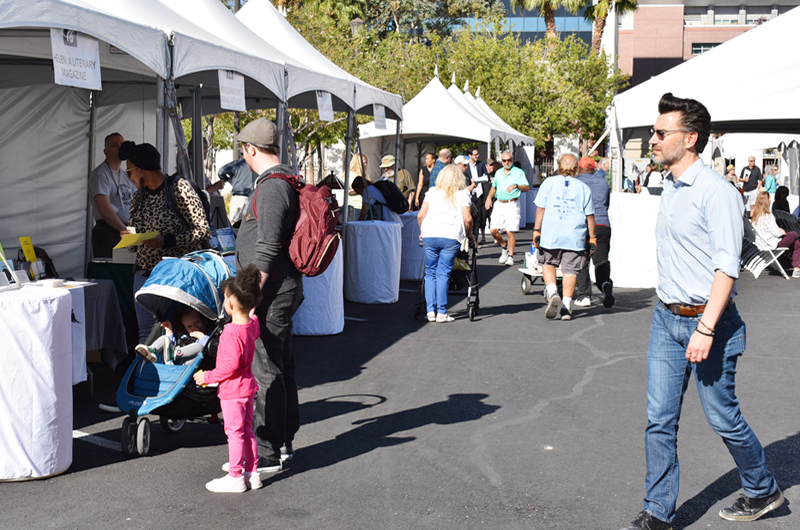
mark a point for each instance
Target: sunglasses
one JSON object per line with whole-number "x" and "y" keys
{"x": 663, "y": 133}
{"x": 508, "y": 160}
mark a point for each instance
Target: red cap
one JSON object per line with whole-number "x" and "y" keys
{"x": 586, "y": 163}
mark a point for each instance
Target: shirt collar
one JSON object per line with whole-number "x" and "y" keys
{"x": 688, "y": 177}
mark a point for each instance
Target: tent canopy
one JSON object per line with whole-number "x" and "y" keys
{"x": 735, "y": 104}
{"x": 264, "y": 20}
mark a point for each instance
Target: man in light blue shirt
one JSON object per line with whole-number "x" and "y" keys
{"x": 696, "y": 327}
{"x": 564, "y": 215}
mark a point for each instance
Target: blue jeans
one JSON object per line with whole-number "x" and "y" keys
{"x": 668, "y": 373}
{"x": 145, "y": 318}
{"x": 440, "y": 253}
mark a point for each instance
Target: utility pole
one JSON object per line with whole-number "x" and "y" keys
{"x": 237, "y": 5}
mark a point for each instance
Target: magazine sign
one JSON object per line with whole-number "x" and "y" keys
{"x": 76, "y": 59}
{"x": 231, "y": 91}
{"x": 379, "y": 113}
{"x": 324, "y": 105}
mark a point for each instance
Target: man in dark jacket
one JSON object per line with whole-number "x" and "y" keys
{"x": 476, "y": 170}
{"x": 260, "y": 241}
{"x": 241, "y": 178}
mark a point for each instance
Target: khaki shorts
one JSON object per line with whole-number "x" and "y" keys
{"x": 570, "y": 261}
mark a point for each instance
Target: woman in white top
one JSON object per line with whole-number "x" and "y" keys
{"x": 445, "y": 221}
{"x": 769, "y": 235}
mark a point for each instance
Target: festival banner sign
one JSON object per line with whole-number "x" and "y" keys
{"x": 76, "y": 59}
{"x": 231, "y": 91}
{"x": 324, "y": 105}
{"x": 379, "y": 113}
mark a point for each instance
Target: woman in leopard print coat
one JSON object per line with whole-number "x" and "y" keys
{"x": 182, "y": 227}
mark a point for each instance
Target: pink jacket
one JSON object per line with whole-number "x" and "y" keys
{"x": 237, "y": 345}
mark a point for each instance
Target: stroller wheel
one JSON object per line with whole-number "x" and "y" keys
{"x": 473, "y": 310}
{"x": 171, "y": 426}
{"x": 143, "y": 436}
{"x": 417, "y": 312}
{"x": 128, "y": 437}
{"x": 526, "y": 284}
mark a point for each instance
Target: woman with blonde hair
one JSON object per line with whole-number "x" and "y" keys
{"x": 445, "y": 221}
{"x": 769, "y": 235}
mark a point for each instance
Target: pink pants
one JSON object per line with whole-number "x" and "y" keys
{"x": 242, "y": 448}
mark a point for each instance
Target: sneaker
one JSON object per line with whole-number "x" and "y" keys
{"x": 227, "y": 484}
{"x": 253, "y": 481}
{"x": 553, "y": 305}
{"x": 147, "y": 352}
{"x": 608, "y": 297}
{"x": 647, "y": 521}
{"x": 287, "y": 452}
{"x": 444, "y": 317}
{"x": 749, "y": 509}
{"x": 431, "y": 316}
{"x": 796, "y": 274}
{"x": 566, "y": 314}
{"x": 510, "y": 260}
{"x": 265, "y": 465}
{"x": 584, "y": 301}
{"x": 503, "y": 255}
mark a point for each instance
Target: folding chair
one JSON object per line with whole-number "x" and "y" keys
{"x": 768, "y": 257}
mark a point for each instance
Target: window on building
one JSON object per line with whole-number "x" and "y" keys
{"x": 703, "y": 47}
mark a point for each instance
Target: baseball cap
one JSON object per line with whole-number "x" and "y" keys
{"x": 387, "y": 161}
{"x": 586, "y": 163}
{"x": 260, "y": 132}
{"x": 460, "y": 159}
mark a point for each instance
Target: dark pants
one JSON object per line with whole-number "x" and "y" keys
{"x": 104, "y": 239}
{"x": 791, "y": 242}
{"x": 602, "y": 267}
{"x": 276, "y": 416}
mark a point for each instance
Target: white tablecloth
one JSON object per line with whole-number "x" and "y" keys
{"x": 35, "y": 389}
{"x": 412, "y": 256}
{"x": 372, "y": 272}
{"x": 523, "y": 209}
{"x": 322, "y": 310}
{"x": 78, "y": 318}
{"x": 633, "y": 239}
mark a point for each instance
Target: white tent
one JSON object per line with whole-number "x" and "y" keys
{"x": 737, "y": 103}
{"x": 482, "y": 105}
{"x": 261, "y": 17}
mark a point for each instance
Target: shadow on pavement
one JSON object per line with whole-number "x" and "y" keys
{"x": 372, "y": 433}
{"x": 782, "y": 457}
{"x": 330, "y": 407}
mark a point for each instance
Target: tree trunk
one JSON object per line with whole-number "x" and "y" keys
{"x": 321, "y": 163}
{"x": 550, "y": 19}
{"x": 237, "y": 127}
{"x": 209, "y": 135}
{"x": 598, "y": 27}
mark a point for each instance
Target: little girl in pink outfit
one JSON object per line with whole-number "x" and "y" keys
{"x": 237, "y": 386}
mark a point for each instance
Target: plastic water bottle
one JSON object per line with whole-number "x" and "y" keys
{"x": 533, "y": 248}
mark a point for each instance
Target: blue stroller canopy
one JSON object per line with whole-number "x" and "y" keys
{"x": 192, "y": 280}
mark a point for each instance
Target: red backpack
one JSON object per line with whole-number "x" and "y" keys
{"x": 315, "y": 240}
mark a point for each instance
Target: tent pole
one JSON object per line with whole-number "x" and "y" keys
{"x": 197, "y": 136}
{"x": 92, "y": 148}
{"x": 161, "y": 123}
{"x": 398, "y": 152}
{"x": 346, "y": 174}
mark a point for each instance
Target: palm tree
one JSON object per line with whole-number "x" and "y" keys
{"x": 548, "y": 8}
{"x": 598, "y": 13}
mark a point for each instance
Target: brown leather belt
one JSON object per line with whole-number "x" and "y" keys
{"x": 691, "y": 310}
{"x": 509, "y": 200}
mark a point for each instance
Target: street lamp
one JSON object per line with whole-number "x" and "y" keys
{"x": 355, "y": 26}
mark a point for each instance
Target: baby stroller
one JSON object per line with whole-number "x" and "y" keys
{"x": 463, "y": 275}
{"x": 169, "y": 391}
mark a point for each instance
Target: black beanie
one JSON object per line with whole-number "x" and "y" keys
{"x": 144, "y": 156}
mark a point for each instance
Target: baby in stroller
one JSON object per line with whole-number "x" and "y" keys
{"x": 189, "y": 323}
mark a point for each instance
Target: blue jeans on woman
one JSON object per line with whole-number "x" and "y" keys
{"x": 145, "y": 318}
{"x": 668, "y": 373}
{"x": 440, "y": 253}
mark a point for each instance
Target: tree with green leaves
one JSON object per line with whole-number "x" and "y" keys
{"x": 548, "y": 9}
{"x": 598, "y": 13}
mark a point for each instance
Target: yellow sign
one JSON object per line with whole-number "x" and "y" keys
{"x": 128, "y": 240}
{"x": 27, "y": 248}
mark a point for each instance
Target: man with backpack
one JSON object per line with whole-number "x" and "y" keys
{"x": 266, "y": 228}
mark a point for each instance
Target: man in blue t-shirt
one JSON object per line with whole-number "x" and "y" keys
{"x": 564, "y": 213}
{"x": 602, "y": 226}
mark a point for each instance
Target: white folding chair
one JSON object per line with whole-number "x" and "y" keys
{"x": 756, "y": 260}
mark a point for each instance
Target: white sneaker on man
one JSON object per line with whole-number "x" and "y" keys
{"x": 504, "y": 255}
{"x": 510, "y": 260}
{"x": 584, "y": 301}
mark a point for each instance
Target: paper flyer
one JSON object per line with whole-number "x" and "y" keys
{"x": 27, "y": 248}
{"x": 128, "y": 240}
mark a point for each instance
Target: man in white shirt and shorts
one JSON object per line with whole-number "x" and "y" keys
{"x": 508, "y": 185}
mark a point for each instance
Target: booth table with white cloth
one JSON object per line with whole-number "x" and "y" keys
{"x": 36, "y": 387}
{"x": 412, "y": 256}
{"x": 322, "y": 310}
{"x": 373, "y": 250}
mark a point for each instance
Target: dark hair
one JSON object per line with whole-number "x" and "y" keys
{"x": 268, "y": 149}
{"x": 429, "y": 154}
{"x": 111, "y": 136}
{"x": 471, "y": 149}
{"x": 245, "y": 287}
{"x": 694, "y": 117}
{"x": 358, "y": 181}
{"x": 177, "y": 319}
{"x": 781, "y": 193}
{"x": 144, "y": 156}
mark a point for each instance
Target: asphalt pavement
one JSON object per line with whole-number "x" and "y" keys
{"x": 507, "y": 422}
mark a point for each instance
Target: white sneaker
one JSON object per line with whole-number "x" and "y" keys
{"x": 582, "y": 302}
{"x": 796, "y": 274}
{"x": 510, "y": 260}
{"x": 253, "y": 481}
{"x": 227, "y": 484}
{"x": 503, "y": 255}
